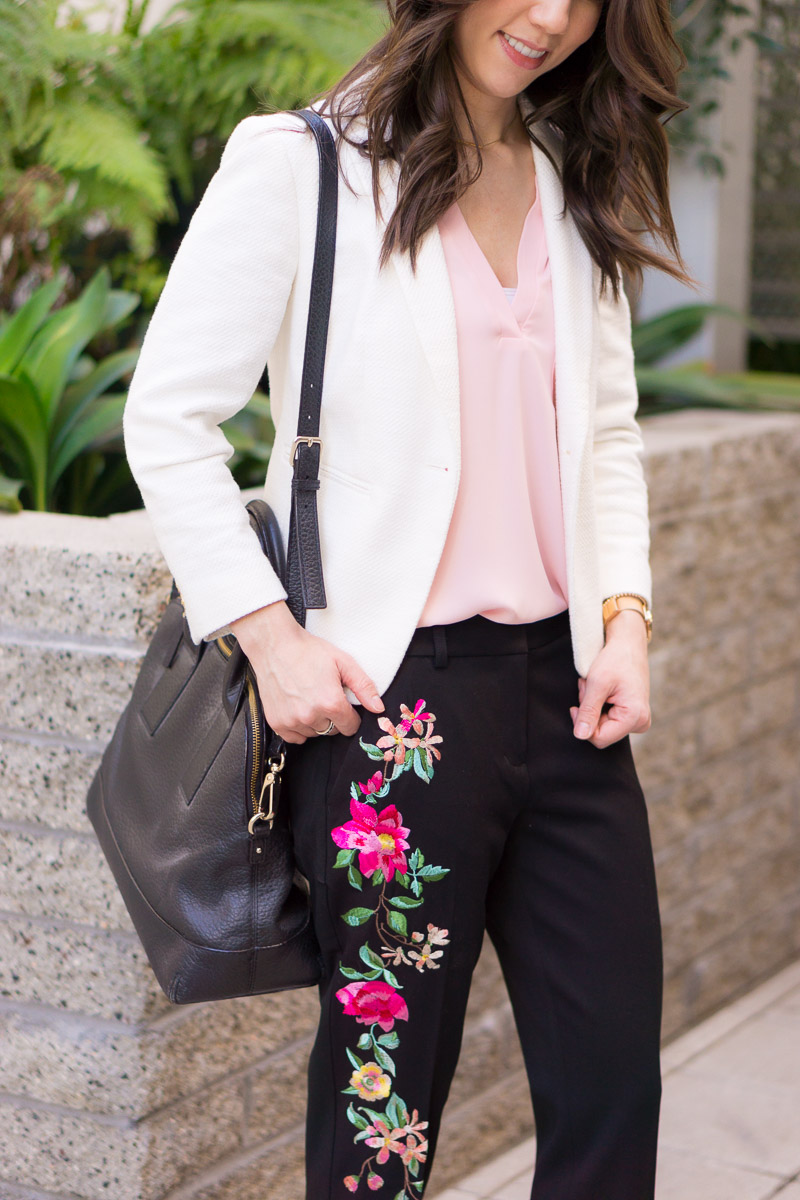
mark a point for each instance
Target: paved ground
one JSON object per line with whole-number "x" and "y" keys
{"x": 730, "y": 1113}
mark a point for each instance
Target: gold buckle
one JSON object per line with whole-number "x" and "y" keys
{"x": 308, "y": 441}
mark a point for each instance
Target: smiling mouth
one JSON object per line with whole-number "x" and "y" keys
{"x": 522, "y": 47}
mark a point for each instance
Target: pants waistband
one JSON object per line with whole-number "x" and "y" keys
{"x": 480, "y": 635}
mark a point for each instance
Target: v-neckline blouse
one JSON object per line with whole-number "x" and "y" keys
{"x": 528, "y": 270}
{"x": 504, "y": 554}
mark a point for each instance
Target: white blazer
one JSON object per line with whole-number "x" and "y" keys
{"x": 236, "y": 297}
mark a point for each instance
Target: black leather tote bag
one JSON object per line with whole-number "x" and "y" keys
{"x": 186, "y": 799}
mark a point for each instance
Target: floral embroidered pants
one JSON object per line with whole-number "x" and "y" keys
{"x": 469, "y": 805}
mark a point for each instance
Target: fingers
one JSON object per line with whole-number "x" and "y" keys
{"x": 359, "y": 682}
{"x": 587, "y": 715}
{"x": 302, "y": 693}
{"x": 615, "y": 724}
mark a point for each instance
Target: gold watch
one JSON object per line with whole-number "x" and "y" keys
{"x": 615, "y": 604}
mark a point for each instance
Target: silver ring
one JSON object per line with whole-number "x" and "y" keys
{"x": 325, "y": 732}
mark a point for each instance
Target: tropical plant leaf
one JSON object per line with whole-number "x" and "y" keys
{"x": 657, "y": 336}
{"x": 79, "y": 395}
{"x": 9, "y": 494}
{"x": 18, "y": 330}
{"x": 102, "y": 422}
{"x": 55, "y": 348}
{"x": 22, "y": 413}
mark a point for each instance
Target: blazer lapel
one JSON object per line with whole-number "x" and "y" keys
{"x": 571, "y": 279}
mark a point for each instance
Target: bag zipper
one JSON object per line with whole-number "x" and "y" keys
{"x": 262, "y": 802}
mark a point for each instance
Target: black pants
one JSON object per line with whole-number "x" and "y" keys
{"x": 470, "y": 805}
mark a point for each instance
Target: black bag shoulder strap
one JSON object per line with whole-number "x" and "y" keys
{"x": 304, "y": 582}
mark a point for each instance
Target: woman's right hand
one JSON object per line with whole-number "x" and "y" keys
{"x": 300, "y": 676}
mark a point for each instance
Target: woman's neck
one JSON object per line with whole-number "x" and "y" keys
{"x": 495, "y": 118}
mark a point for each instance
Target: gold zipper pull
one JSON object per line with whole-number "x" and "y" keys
{"x": 269, "y": 794}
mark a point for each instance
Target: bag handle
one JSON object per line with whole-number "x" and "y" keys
{"x": 304, "y": 582}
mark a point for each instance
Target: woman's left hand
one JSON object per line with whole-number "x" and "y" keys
{"x": 619, "y": 676}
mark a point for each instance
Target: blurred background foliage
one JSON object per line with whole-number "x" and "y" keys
{"x": 108, "y": 138}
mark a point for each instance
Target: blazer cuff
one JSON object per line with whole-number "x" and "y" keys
{"x": 209, "y": 616}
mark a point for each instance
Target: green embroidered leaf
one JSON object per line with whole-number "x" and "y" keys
{"x": 402, "y": 878}
{"x": 390, "y": 977}
{"x": 355, "y": 1118}
{"x": 404, "y": 902}
{"x": 401, "y": 1195}
{"x": 419, "y": 1184}
{"x": 413, "y": 1167}
{"x": 354, "y": 1059}
{"x": 370, "y": 958}
{"x": 419, "y": 766}
{"x": 354, "y": 877}
{"x": 372, "y": 751}
{"x": 373, "y": 1115}
{"x": 391, "y": 1040}
{"x": 434, "y": 873}
{"x": 378, "y": 876}
{"x": 365, "y": 1041}
{"x": 351, "y": 973}
{"x": 384, "y": 1060}
{"x": 351, "y": 1091}
{"x": 416, "y": 860}
{"x": 372, "y": 974}
{"x": 398, "y": 923}
{"x": 416, "y": 886}
{"x": 344, "y": 858}
{"x": 395, "y": 1110}
{"x": 358, "y": 916}
{"x": 355, "y": 791}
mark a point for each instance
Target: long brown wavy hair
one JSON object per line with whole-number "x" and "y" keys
{"x": 604, "y": 101}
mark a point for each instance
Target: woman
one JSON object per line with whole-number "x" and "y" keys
{"x": 465, "y": 699}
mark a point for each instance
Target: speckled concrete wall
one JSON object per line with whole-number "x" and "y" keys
{"x": 108, "y": 1089}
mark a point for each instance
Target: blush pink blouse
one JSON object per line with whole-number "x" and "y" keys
{"x": 504, "y": 552}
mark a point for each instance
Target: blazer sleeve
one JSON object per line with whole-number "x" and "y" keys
{"x": 201, "y": 359}
{"x": 621, "y": 496}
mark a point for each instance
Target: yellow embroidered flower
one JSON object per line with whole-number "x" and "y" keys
{"x": 370, "y": 1082}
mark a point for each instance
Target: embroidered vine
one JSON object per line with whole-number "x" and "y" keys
{"x": 378, "y": 839}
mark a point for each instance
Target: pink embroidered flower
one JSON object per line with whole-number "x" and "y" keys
{"x": 430, "y": 741}
{"x": 396, "y": 955}
{"x": 394, "y": 744}
{"x": 373, "y": 784}
{"x": 385, "y": 1140}
{"x": 370, "y": 1082}
{"x": 413, "y": 1124}
{"x": 426, "y": 954}
{"x": 435, "y": 935}
{"x": 371, "y": 1001}
{"x": 424, "y": 957}
{"x": 414, "y": 718}
{"x": 380, "y": 839}
{"x": 374, "y": 1181}
{"x": 415, "y": 1151}
{"x": 351, "y": 1183}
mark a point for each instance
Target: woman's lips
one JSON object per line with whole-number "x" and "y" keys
{"x": 530, "y": 64}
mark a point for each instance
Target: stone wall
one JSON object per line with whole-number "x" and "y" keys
{"x": 108, "y": 1089}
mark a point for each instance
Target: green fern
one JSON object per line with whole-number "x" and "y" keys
{"x": 99, "y": 130}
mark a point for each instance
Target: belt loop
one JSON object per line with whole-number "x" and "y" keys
{"x": 439, "y": 646}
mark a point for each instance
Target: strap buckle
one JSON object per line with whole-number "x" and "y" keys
{"x": 308, "y": 441}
